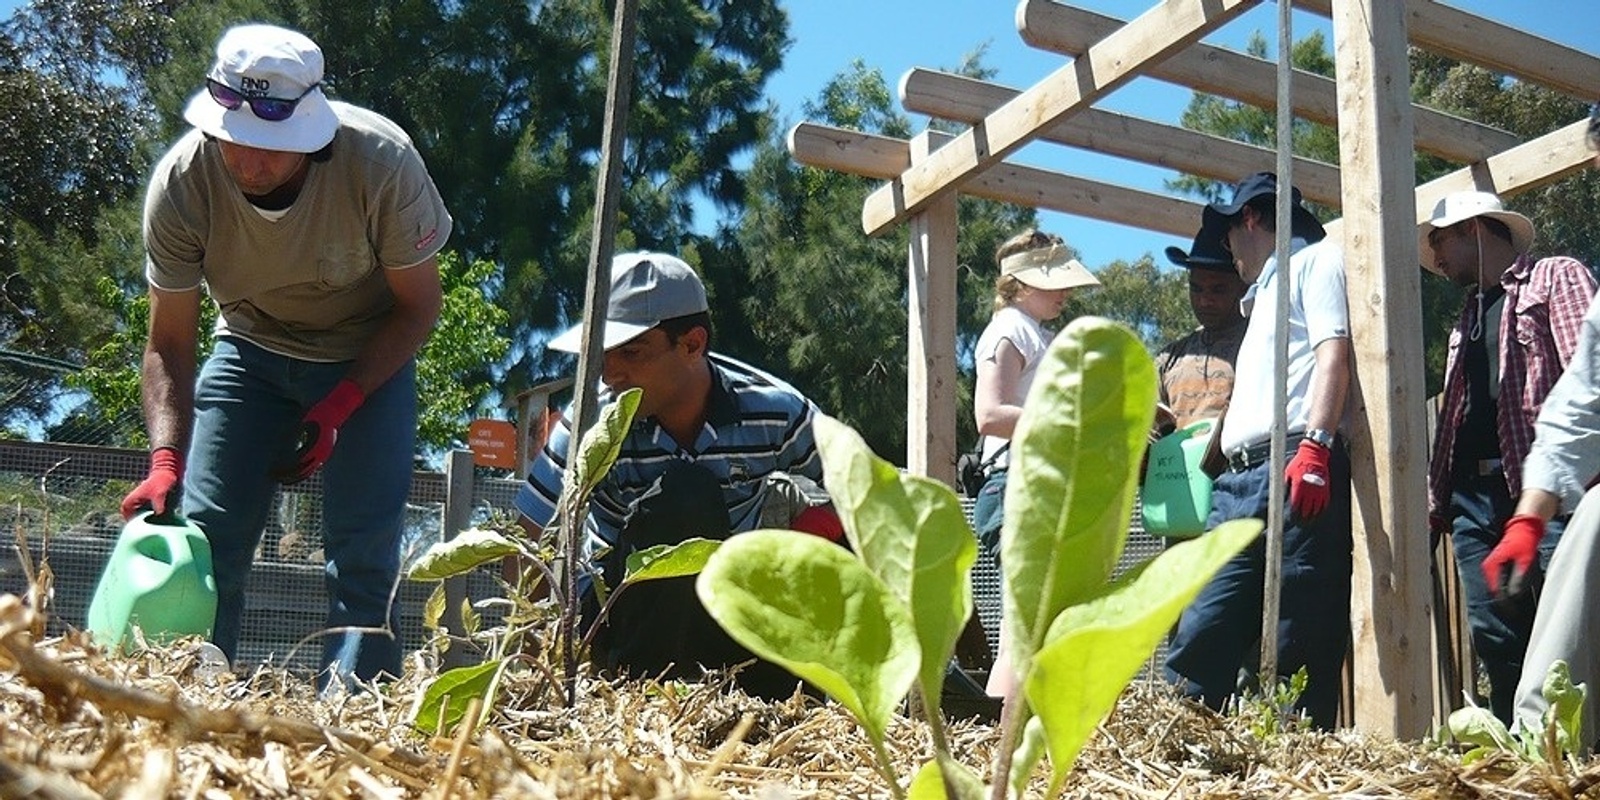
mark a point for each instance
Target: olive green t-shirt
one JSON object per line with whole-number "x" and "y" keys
{"x": 309, "y": 285}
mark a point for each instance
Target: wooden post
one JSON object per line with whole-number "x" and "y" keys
{"x": 1391, "y": 604}
{"x": 457, "y": 515}
{"x": 931, "y": 396}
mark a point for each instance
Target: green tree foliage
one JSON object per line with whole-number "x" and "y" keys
{"x": 1154, "y": 303}
{"x": 470, "y": 333}
{"x": 71, "y": 126}
{"x": 826, "y": 305}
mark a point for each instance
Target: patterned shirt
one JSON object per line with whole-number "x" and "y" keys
{"x": 1544, "y": 306}
{"x": 1565, "y": 457}
{"x": 755, "y": 425}
{"x": 1197, "y": 372}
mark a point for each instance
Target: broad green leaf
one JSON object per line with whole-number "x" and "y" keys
{"x": 1073, "y": 459}
{"x": 910, "y": 532}
{"x": 1476, "y": 725}
{"x": 1094, "y": 648}
{"x": 445, "y": 701}
{"x": 809, "y": 606}
{"x": 669, "y": 560}
{"x": 601, "y": 443}
{"x": 932, "y": 780}
{"x": 467, "y": 550}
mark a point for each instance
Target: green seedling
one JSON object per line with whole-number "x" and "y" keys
{"x": 447, "y": 695}
{"x": 864, "y": 626}
{"x": 1560, "y": 737}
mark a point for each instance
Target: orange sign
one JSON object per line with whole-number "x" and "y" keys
{"x": 493, "y": 443}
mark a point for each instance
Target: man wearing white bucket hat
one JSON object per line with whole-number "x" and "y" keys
{"x": 314, "y": 227}
{"x": 1514, "y": 337}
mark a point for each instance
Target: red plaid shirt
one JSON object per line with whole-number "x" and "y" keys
{"x": 1544, "y": 307}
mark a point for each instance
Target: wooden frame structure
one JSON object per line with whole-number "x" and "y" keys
{"x": 1374, "y": 186}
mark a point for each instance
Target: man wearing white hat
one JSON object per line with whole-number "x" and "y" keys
{"x": 717, "y": 448}
{"x": 1513, "y": 339}
{"x": 313, "y": 226}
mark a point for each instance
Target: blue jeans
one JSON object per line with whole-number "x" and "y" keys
{"x": 1217, "y": 630}
{"x": 988, "y": 511}
{"x": 247, "y": 409}
{"x": 1479, "y": 508}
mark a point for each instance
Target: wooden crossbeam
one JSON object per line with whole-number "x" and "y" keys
{"x": 1536, "y": 163}
{"x": 1167, "y": 28}
{"x": 969, "y": 100}
{"x": 1068, "y": 30}
{"x": 883, "y": 157}
{"x": 1476, "y": 40}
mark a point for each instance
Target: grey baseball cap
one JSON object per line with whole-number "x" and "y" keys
{"x": 646, "y": 289}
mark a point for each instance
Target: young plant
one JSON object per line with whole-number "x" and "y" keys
{"x": 864, "y": 627}
{"x": 1560, "y": 737}
{"x": 447, "y": 696}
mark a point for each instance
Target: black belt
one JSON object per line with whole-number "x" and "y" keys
{"x": 1253, "y": 455}
{"x": 1476, "y": 467}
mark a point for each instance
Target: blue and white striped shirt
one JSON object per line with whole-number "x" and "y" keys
{"x": 755, "y": 425}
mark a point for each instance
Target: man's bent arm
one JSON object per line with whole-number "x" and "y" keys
{"x": 417, "y": 299}
{"x": 166, "y": 386}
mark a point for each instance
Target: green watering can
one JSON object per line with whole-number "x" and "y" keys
{"x": 1177, "y": 493}
{"x": 159, "y": 578}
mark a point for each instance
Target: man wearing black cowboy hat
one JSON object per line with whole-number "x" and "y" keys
{"x": 1196, "y": 371}
{"x": 1218, "y": 629}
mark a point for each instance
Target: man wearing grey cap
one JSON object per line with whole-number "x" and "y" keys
{"x": 1516, "y": 334}
{"x": 1216, "y": 632}
{"x": 716, "y": 448}
{"x": 313, "y": 226}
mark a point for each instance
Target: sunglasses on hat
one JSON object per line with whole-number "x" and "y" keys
{"x": 271, "y": 109}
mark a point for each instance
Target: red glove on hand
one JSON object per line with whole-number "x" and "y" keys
{"x": 320, "y": 429}
{"x": 1308, "y": 480}
{"x": 159, "y": 487}
{"x": 819, "y": 521}
{"x": 1513, "y": 557}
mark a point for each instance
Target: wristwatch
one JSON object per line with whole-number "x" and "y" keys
{"x": 1320, "y": 436}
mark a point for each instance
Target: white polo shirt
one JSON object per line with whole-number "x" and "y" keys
{"x": 1317, "y": 312}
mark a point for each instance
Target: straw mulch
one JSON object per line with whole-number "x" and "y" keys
{"x": 75, "y": 723}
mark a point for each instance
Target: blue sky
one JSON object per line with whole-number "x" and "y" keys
{"x": 896, "y": 35}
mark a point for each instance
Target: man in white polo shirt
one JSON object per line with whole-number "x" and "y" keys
{"x": 1217, "y": 631}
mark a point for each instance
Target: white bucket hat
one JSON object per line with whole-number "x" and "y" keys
{"x": 1048, "y": 268}
{"x": 266, "y": 62}
{"x": 1461, "y": 206}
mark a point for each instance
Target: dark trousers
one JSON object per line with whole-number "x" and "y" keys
{"x": 659, "y": 627}
{"x": 1217, "y": 631}
{"x": 1479, "y": 508}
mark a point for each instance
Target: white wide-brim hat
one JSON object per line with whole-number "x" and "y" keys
{"x": 1048, "y": 268}
{"x": 267, "y": 61}
{"x": 1461, "y": 206}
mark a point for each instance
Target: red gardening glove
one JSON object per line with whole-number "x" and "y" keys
{"x": 1514, "y": 556}
{"x": 320, "y": 429}
{"x": 1308, "y": 480}
{"x": 159, "y": 490}
{"x": 819, "y": 521}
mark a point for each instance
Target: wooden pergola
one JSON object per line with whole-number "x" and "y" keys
{"x": 1374, "y": 185}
